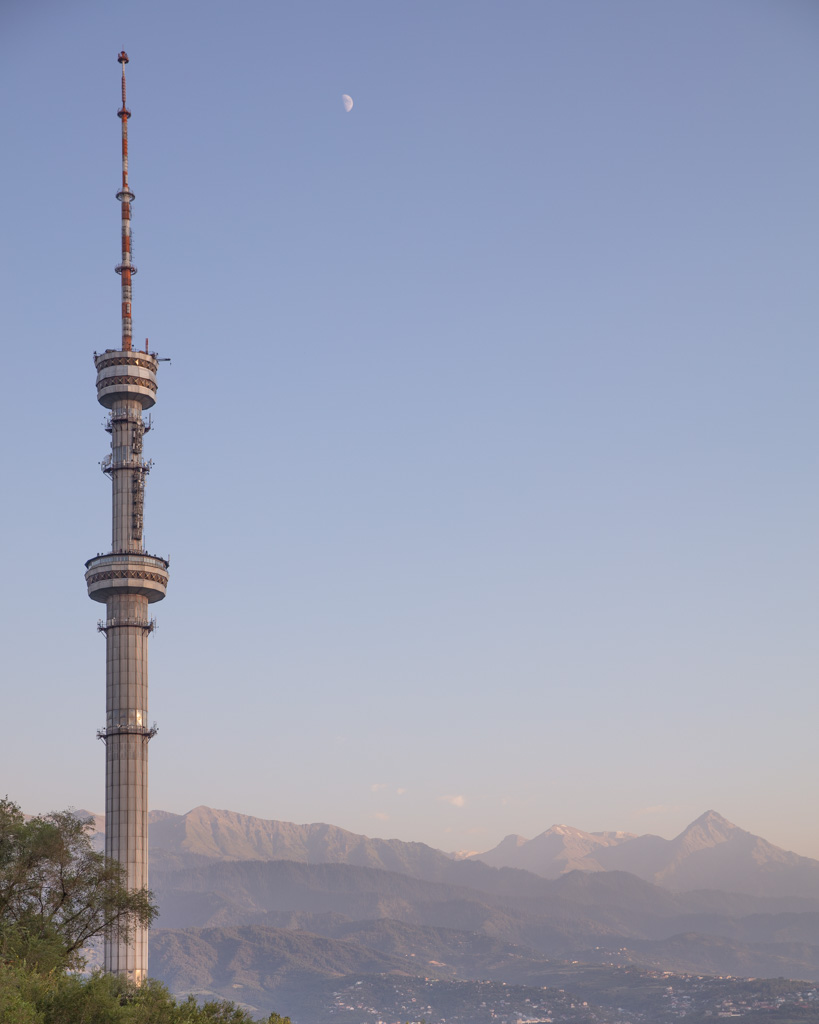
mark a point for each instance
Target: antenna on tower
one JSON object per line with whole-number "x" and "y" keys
{"x": 127, "y": 580}
{"x": 126, "y": 268}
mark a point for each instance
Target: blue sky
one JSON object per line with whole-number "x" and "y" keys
{"x": 486, "y": 459}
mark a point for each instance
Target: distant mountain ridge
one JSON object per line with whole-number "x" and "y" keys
{"x": 205, "y": 833}
{"x": 559, "y": 849}
{"x": 256, "y": 924}
{"x": 711, "y": 853}
{"x": 266, "y": 911}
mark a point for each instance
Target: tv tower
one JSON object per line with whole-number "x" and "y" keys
{"x": 126, "y": 581}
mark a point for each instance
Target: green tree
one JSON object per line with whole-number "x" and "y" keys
{"x": 57, "y": 893}
{"x": 28, "y": 996}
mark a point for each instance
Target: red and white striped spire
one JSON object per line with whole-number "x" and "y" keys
{"x": 126, "y": 268}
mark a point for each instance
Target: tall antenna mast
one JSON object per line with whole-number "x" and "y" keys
{"x": 126, "y": 268}
{"x": 127, "y": 581}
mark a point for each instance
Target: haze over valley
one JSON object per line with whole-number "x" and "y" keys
{"x": 281, "y": 913}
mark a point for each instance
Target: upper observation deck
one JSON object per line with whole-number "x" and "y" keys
{"x": 126, "y": 375}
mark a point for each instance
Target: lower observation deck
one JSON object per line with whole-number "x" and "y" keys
{"x": 126, "y": 573}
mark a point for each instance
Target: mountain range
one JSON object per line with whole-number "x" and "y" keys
{"x": 711, "y": 853}
{"x": 268, "y": 908}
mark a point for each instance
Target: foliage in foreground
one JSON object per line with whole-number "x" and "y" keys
{"x": 57, "y": 893}
{"x": 31, "y": 997}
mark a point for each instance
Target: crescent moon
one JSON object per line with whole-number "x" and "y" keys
{"x": 348, "y": 102}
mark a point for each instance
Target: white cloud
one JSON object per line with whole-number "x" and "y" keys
{"x": 659, "y": 809}
{"x": 456, "y": 801}
{"x": 400, "y": 791}
{"x": 381, "y": 816}
{"x": 376, "y": 787}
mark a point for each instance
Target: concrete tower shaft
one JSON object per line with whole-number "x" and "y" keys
{"x": 126, "y": 580}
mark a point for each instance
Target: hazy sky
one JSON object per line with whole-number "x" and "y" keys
{"x": 487, "y": 456}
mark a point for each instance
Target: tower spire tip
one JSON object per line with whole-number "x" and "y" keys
{"x": 126, "y": 268}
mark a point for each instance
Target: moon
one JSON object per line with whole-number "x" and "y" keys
{"x": 348, "y": 102}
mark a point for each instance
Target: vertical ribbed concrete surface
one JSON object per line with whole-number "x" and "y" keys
{"x": 126, "y": 764}
{"x": 127, "y": 580}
